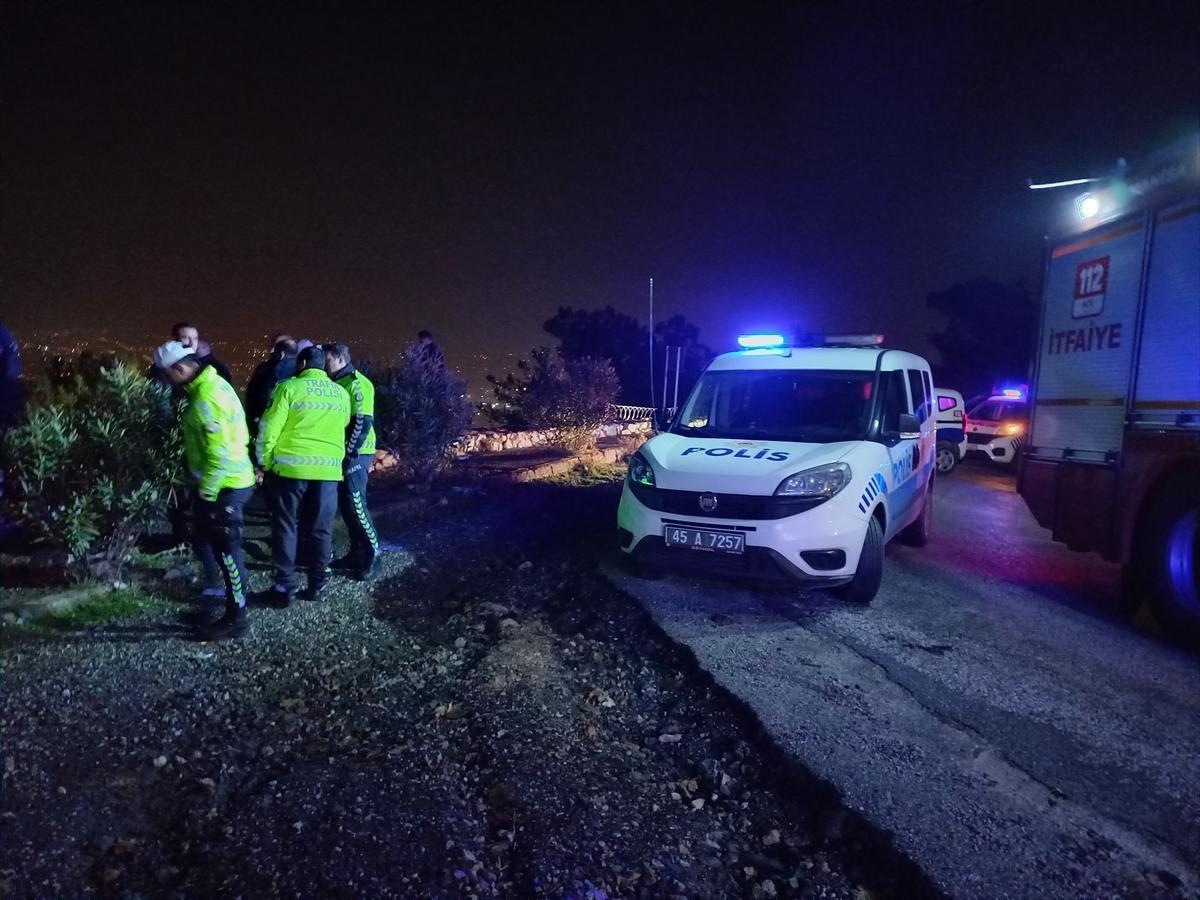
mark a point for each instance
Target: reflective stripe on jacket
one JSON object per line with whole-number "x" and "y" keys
{"x": 360, "y": 434}
{"x": 302, "y": 434}
{"x": 215, "y": 436}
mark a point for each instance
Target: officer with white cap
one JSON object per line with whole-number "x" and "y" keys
{"x": 215, "y": 440}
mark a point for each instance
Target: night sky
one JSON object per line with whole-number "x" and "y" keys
{"x": 344, "y": 170}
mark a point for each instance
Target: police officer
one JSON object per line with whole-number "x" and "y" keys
{"x": 215, "y": 441}
{"x": 301, "y": 445}
{"x": 359, "y": 562}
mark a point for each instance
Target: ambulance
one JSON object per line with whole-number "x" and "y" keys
{"x": 789, "y": 462}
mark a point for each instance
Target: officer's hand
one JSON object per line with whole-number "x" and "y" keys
{"x": 258, "y": 477}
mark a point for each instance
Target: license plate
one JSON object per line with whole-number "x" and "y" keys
{"x": 704, "y": 539}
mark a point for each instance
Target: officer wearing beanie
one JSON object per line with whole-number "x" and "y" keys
{"x": 301, "y": 445}
{"x": 215, "y": 442}
{"x": 359, "y": 562}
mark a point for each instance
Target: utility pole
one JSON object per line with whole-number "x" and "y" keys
{"x": 678, "y": 363}
{"x": 652, "y": 404}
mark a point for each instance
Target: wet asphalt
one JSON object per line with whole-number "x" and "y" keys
{"x": 989, "y": 709}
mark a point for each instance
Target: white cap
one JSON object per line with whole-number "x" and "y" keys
{"x": 170, "y": 353}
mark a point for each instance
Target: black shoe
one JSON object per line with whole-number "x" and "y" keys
{"x": 367, "y": 572}
{"x": 344, "y": 562}
{"x": 230, "y": 625}
{"x": 314, "y": 592}
{"x": 275, "y": 597}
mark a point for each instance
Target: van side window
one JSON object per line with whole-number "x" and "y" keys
{"x": 928, "y": 389}
{"x": 917, "y": 383}
{"x": 945, "y": 403}
{"x": 895, "y": 401}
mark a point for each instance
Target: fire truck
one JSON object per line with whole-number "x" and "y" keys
{"x": 1112, "y": 462}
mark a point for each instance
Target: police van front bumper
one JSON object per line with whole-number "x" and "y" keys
{"x": 1000, "y": 449}
{"x": 786, "y": 539}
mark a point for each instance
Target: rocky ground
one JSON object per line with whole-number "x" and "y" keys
{"x": 489, "y": 719}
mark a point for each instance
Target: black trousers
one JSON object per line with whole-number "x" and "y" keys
{"x": 301, "y": 513}
{"x": 352, "y": 501}
{"x": 220, "y": 525}
{"x": 189, "y": 520}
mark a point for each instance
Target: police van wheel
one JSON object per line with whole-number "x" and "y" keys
{"x": 865, "y": 584}
{"x": 1170, "y": 560}
{"x": 917, "y": 534}
{"x": 947, "y": 457}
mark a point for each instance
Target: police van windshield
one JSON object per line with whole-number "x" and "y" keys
{"x": 805, "y": 405}
{"x": 999, "y": 411}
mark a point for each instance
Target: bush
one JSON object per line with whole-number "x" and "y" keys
{"x": 91, "y": 469}
{"x": 420, "y": 410}
{"x": 571, "y": 398}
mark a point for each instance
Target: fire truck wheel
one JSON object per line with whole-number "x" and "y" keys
{"x": 1169, "y": 559}
{"x": 947, "y": 457}
{"x": 865, "y": 585}
{"x": 917, "y": 534}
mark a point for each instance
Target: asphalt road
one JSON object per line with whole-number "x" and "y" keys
{"x": 1016, "y": 738}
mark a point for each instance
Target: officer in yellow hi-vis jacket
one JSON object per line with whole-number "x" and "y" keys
{"x": 215, "y": 440}
{"x": 359, "y": 562}
{"x": 301, "y": 445}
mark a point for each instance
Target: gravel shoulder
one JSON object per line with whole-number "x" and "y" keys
{"x": 491, "y": 718}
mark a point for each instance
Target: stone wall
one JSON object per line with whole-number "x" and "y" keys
{"x": 497, "y": 440}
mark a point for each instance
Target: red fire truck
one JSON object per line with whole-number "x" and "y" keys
{"x": 1113, "y": 458}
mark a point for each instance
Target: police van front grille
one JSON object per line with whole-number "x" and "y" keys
{"x": 976, "y": 437}
{"x": 728, "y": 506}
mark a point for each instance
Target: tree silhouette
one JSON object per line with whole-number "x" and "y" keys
{"x": 606, "y": 334}
{"x": 991, "y": 328}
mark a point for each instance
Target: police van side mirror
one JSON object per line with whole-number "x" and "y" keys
{"x": 910, "y": 428}
{"x": 660, "y": 420}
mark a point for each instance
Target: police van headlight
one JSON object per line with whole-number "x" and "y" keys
{"x": 826, "y": 481}
{"x": 640, "y": 471}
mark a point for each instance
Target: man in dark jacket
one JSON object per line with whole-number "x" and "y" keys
{"x": 281, "y": 365}
{"x": 12, "y": 392}
{"x": 188, "y": 335}
{"x": 428, "y": 352}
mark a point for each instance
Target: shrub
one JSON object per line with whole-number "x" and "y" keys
{"x": 90, "y": 470}
{"x": 420, "y": 410}
{"x": 571, "y": 398}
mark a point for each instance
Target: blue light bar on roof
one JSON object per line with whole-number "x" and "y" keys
{"x": 759, "y": 341}
{"x": 1013, "y": 393}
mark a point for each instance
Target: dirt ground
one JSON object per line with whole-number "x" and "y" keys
{"x": 490, "y": 718}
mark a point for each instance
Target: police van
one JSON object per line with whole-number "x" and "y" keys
{"x": 996, "y": 427}
{"x": 951, "y": 438}
{"x": 789, "y": 462}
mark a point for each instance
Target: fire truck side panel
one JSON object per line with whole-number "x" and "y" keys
{"x": 1168, "y": 378}
{"x": 1086, "y": 353}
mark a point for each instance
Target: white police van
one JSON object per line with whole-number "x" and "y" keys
{"x": 951, "y": 438}
{"x": 996, "y": 427}
{"x": 789, "y": 462}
